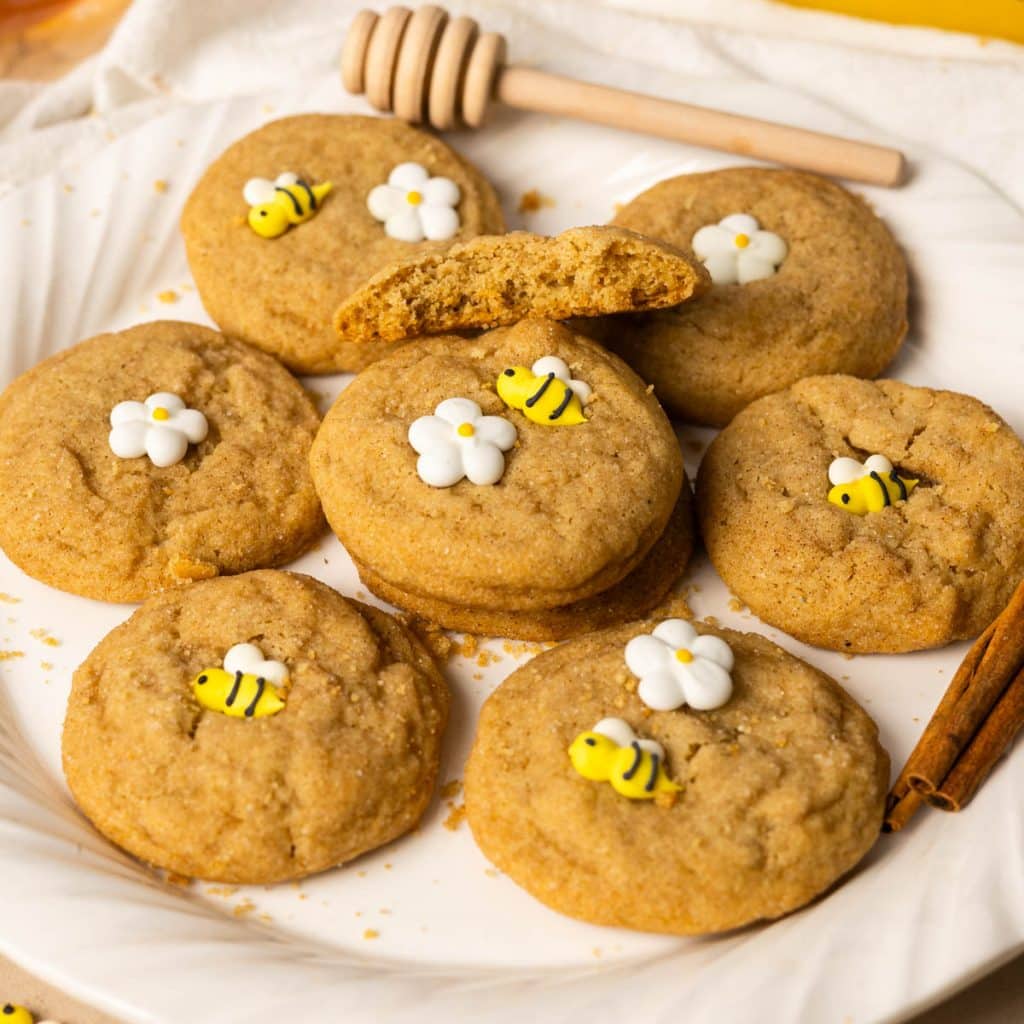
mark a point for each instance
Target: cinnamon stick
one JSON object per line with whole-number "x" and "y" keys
{"x": 990, "y": 742}
{"x": 900, "y": 809}
{"x": 1002, "y": 656}
{"x": 979, "y": 686}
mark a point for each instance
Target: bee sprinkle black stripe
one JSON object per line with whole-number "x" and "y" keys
{"x": 900, "y": 484}
{"x": 637, "y": 755}
{"x": 261, "y": 685}
{"x": 536, "y": 396}
{"x": 295, "y": 203}
{"x": 886, "y": 500}
{"x": 649, "y": 788}
{"x": 563, "y": 404}
{"x": 233, "y": 695}
{"x": 309, "y": 192}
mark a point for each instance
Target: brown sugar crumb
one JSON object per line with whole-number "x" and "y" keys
{"x": 221, "y": 890}
{"x": 450, "y": 790}
{"x": 371, "y": 933}
{"x": 534, "y": 200}
{"x": 9, "y": 599}
{"x": 485, "y": 658}
{"x": 43, "y": 635}
{"x": 469, "y": 646}
{"x": 160, "y": 186}
{"x": 11, "y": 655}
{"x": 168, "y": 295}
{"x": 455, "y": 818}
{"x": 522, "y": 648}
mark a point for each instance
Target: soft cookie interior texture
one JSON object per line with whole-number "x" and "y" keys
{"x": 76, "y": 516}
{"x": 279, "y": 293}
{"x": 923, "y": 572}
{"x": 836, "y": 304}
{"x": 782, "y": 793}
{"x": 347, "y": 765}
{"x": 575, "y": 510}
{"x": 492, "y": 280}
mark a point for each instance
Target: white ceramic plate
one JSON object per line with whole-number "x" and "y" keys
{"x": 930, "y": 909}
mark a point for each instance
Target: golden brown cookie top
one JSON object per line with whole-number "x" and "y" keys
{"x": 917, "y": 573}
{"x": 574, "y": 508}
{"x": 835, "y": 302}
{"x": 279, "y": 293}
{"x": 80, "y": 517}
{"x": 347, "y": 764}
{"x": 781, "y": 788}
{"x": 502, "y": 279}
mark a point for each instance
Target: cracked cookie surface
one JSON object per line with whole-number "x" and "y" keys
{"x": 932, "y": 569}
{"x": 347, "y": 765}
{"x": 576, "y": 509}
{"x": 837, "y": 303}
{"x": 78, "y": 517}
{"x": 783, "y": 790}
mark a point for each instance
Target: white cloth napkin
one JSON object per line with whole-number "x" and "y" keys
{"x": 943, "y": 93}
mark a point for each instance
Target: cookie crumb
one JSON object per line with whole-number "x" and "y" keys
{"x": 736, "y": 605}
{"x": 371, "y": 933}
{"x": 168, "y": 295}
{"x": 534, "y": 200}
{"x": 451, "y": 789}
{"x": 160, "y": 186}
{"x": 69, "y": 189}
{"x": 492, "y": 872}
{"x": 46, "y": 666}
{"x": 244, "y": 909}
{"x": 43, "y": 635}
{"x": 469, "y": 646}
{"x": 181, "y": 881}
{"x": 9, "y": 599}
{"x": 455, "y": 818}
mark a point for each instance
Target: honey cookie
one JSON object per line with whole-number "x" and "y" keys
{"x": 867, "y": 516}
{"x": 153, "y": 457}
{"x": 254, "y": 729}
{"x": 500, "y": 280}
{"x": 674, "y": 778}
{"x": 294, "y": 217}
{"x": 520, "y": 472}
{"x": 807, "y": 280}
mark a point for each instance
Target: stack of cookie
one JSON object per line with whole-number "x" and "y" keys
{"x": 504, "y": 464}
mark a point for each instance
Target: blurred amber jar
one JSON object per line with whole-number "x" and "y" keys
{"x": 1003, "y": 18}
{"x": 45, "y": 38}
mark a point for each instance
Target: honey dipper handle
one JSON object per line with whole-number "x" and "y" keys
{"x": 528, "y": 89}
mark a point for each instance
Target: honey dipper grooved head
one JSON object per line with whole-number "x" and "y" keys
{"x": 423, "y": 66}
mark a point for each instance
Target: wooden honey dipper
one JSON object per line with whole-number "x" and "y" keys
{"x": 427, "y": 67}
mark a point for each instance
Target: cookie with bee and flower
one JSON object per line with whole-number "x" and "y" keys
{"x": 806, "y": 279}
{"x": 254, "y": 728}
{"x": 524, "y": 483}
{"x": 296, "y": 215}
{"x": 152, "y": 457}
{"x": 674, "y": 777}
{"x": 867, "y": 516}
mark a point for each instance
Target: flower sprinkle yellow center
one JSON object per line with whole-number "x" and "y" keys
{"x": 160, "y": 413}
{"x": 414, "y": 198}
{"x": 466, "y": 430}
{"x": 684, "y": 656}
{"x": 741, "y": 241}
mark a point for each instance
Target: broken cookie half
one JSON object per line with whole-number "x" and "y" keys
{"x": 495, "y": 280}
